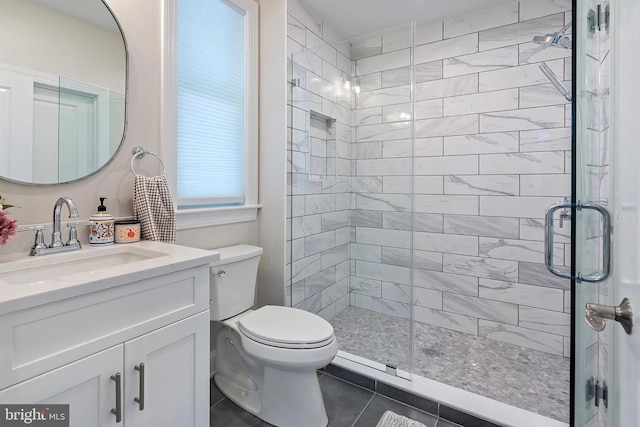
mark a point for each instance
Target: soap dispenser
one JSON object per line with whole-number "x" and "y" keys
{"x": 102, "y": 232}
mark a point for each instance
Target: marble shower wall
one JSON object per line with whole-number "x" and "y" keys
{"x": 491, "y": 153}
{"x": 381, "y": 217}
{"x": 319, "y": 110}
{"x": 488, "y": 153}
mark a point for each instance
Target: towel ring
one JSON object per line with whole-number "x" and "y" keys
{"x": 139, "y": 153}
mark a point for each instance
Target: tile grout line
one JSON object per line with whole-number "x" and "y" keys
{"x": 375, "y": 393}
{"x": 363, "y": 409}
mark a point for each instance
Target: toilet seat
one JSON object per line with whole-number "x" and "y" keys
{"x": 286, "y": 327}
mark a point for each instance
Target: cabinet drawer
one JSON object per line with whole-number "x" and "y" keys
{"x": 42, "y": 338}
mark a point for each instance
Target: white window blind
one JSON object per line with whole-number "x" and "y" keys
{"x": 211, "y": 92}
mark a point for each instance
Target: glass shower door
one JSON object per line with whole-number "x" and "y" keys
{"x": 381, "y": 215}
{"x": 350, "y": 189}
{"x": 592, "y": 173}
{"x": 606, "y": 376}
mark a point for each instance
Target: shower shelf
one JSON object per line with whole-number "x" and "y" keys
{"x": 322, "y": 158}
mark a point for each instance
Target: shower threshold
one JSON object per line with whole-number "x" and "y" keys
{"x": 448, "y": 397}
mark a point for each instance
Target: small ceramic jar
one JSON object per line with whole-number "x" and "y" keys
{"x": 127, "y": 231}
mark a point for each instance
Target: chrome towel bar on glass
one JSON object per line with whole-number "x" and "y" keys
{"x": 139, "y": 153}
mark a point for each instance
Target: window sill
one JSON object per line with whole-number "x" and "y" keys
{"x": 196, "y": 218}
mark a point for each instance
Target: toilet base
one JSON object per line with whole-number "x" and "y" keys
{"x": 287, "y": 399}
{"x": 280, "y": 396}
{"x": 250, "y": 401}
{"x": 293, "y": 399}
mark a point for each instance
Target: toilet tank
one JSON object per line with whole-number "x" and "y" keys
{"x": 233, "y": 291}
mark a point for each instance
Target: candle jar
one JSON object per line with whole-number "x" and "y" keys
{"x": 127, "y": 231}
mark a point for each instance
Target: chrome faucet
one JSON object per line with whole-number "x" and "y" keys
{"x": 56, "y": 237}
{"x": 40, "y": 248}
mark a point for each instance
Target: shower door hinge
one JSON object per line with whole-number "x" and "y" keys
{"x": 592, "y": 21}
{"x": 599, "y": 19}
{"x": 603, "y": 17}
{"x": 597, "y": 390}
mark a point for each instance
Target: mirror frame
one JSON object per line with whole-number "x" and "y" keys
{"x": 126, "y": 109}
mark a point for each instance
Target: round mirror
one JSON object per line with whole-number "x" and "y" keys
{"x": 63, "y": 83}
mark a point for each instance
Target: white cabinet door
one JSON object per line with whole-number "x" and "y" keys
{"x": 176, "y": 375}
{"x": 86, "y": 386}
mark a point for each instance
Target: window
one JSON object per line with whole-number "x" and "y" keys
{"x": 210, "y": 109}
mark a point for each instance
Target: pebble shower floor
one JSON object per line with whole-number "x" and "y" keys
{"x": 518, "y": 376}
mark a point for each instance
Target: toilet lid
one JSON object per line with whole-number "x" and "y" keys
{"x": 286, "y": 327}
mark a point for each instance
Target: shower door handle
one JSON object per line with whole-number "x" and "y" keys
{"x": 606, "y": 242}
{"x": 548, "y": 238}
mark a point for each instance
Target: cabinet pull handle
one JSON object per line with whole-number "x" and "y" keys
{"x": 140, "y": 400}
{"x": 117, "y": 411}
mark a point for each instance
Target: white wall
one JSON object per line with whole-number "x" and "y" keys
{"x": 625, "y": 355}
{"x": 141, "y": 23}
{"x": 273, "y": 125}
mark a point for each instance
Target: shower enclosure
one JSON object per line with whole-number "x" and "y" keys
{"x": 421, "y": 162}
{"x": 351, "y": 162}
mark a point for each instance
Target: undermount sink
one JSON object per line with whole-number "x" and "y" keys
{"x": 57, "y": 267}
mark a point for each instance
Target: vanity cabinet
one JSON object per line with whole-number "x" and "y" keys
{"x": 173, "y": 359}
{"x": 153, "y": 331}
{"x": 85, "y": 385}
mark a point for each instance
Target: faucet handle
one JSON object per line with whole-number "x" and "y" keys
{"x": 77, "y": 223}
{"x": 31, "y": 228}
{"x": 73, "y": 233}
{"x": 73, "y": 237}
{"x": 38, "y": 244}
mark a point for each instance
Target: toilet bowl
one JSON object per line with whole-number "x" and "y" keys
{"x": 266, "y": 359}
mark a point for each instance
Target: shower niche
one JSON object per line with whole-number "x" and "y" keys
{"x": 322, "y": 159}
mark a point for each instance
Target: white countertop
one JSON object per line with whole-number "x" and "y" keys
{"x": 89, "y": 269}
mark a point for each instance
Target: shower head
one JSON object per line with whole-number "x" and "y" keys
{"x": 559, "y": 39}
{"x": 555, "y": 81}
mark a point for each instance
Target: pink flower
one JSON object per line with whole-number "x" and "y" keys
{"x": 7, "y": 227}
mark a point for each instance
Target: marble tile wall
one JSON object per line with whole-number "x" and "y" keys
{"x": 382, "y": 173}
{"x": 488, "y": 152}
{"x": 318, "y": 168}
{"x": 321, "y": 157}
{"x": 491, "y": 152}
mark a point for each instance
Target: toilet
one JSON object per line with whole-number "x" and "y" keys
{"x": 266, "y": 359}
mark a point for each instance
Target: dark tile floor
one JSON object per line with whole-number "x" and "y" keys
{"x": 347, "y": 405}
